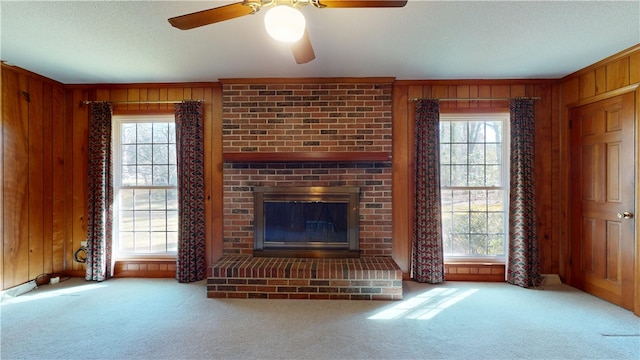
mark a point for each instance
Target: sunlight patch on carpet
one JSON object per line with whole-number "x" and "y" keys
{"x": 424, "y": 306}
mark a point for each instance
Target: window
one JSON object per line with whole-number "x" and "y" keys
{"x": 145, "y": 186}
{"x": 474, "y": 185}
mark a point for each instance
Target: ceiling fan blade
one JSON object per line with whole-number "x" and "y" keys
{"x": 206, "y": 17}
{"x": 302, "y": 49}
{"x": 362, "y": 4}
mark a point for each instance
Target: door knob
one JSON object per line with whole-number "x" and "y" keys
{"x": 625, "y": 215}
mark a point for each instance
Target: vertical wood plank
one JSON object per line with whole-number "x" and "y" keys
{"x": 116, "y": 95}
{"x": 462, "y": 91}
{"x": 153, "y": 94}
{"x": 15, "y": 183}
{"x": 543, "y": 171}
{"x": 80, "y": 131}
{"x": 518, "y": 90}
{"x": 59, "y": 213}
{"x": 400, "y": 166}
{"x": 617, "y": 74}
{"x": 587, "y": 84}
{"x": 133, "y": 94}
{"x": 570, "y": 91}
{"x": 634, "y": 68}
{"x": 47, "y": 176}
{"x": 484, "y": 91}
{"x": 36, "y": 180}
{"x": 601, "y": 80}
{"x": 500, "y": 91}
{"x": 214, "y": 96}
{"x": 2, "y": 107}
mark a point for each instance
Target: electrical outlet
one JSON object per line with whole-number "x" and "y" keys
{"x": 83, "y": 243}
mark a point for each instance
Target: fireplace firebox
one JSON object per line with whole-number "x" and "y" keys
{"x": 306, "y": 222}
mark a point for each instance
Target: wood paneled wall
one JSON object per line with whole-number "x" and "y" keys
{"x": 547, "y": 150}
{"x": 77, "y": 124}
{"x": 33, "y": 197}
{"x": 613, "y": 76}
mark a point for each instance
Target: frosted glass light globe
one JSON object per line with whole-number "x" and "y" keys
{"x": 284, "y": 23}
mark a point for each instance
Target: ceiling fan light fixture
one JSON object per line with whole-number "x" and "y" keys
{"x": 284, "y": 23}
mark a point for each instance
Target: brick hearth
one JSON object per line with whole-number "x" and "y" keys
{"x": 366, "y": 278}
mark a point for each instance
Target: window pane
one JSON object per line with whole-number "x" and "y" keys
{"x": 477, "y": 245}
{"x": 445, "y": 153}
{"x": 445, "y": 175}
{"x": 145, "y": 154}
{"x": 142, "y": 221}
{"x": 458, "y": 175}
{"x": 145, "y": 133}
{"x": 445, "y": 131}
{"x": 141, "y": 199}
{"x": 126, "y": 199}
{"x": 142, "y": 242}
{"x": 158, "y": 242}
{"x": 493, "y": 153}
{"x": 172, "y": 199}
{"x": 126, "y": 242}
{"x": 144, "y": 175}
{"x": 459, "y": 131}
{"x": 128, "y": 154}
{"x": 128, "y": 175}
{"x": 172, "y": 241}
{"x": 476, "y": 154}
{"x": 459, "y": 154}
{"x": 161, "y": 154}
{"x": 128, "y": 133}
{"x": 158, "y": 221}
{"x": 172, "y": 220}
{"x": 494, "y": 175}
{"x": 126, "y": 221}
{"x": 477, "y": 223}
{"x": 476, "y": 175}
{"x": 161, "y": 175}
{"x": 161, "y": 132}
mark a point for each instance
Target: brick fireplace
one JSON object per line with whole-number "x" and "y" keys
{"x": 308, "y": 134}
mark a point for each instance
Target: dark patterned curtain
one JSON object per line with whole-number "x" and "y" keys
{"x": 523, "y": 268}
{"x": 191, "y": 262}
{"x": 100, "y": 193}
{"x": 428, "y": 256}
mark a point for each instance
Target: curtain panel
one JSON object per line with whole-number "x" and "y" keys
{"x": 428, "y": 254}
{"x": 100, "y": 193}
{"x": 191, "y": 261}
{"x": 523, "y": 266}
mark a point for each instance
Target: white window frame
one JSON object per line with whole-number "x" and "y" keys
{"x": 504, "y": 117}
{"x": 117, "y": 121}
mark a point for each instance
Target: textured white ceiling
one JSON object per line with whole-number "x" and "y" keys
{"x": 131, "y": 41}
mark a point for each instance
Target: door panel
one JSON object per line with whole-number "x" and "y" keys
{"x": 603, "y": 168}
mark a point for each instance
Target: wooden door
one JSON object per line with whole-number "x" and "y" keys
{"x": 602, "y": 190}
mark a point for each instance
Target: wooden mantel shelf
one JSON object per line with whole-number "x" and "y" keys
{"x": 318, "y": 156}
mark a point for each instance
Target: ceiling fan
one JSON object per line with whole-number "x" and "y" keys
{"x": 300, "y": 43}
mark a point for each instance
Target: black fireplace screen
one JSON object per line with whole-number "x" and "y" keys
{"x": 295, "y": 221}
{"x": 306, "y": 219}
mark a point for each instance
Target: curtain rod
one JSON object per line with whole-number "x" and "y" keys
{"x": 87, "y": 102}
{"x": 475, "y": 99}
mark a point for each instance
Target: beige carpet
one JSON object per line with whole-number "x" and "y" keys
{"x": 162, "y": 319}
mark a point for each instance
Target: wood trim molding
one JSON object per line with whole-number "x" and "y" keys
{"x": 603, "y": 96}
{"x": 328, "y": 80}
